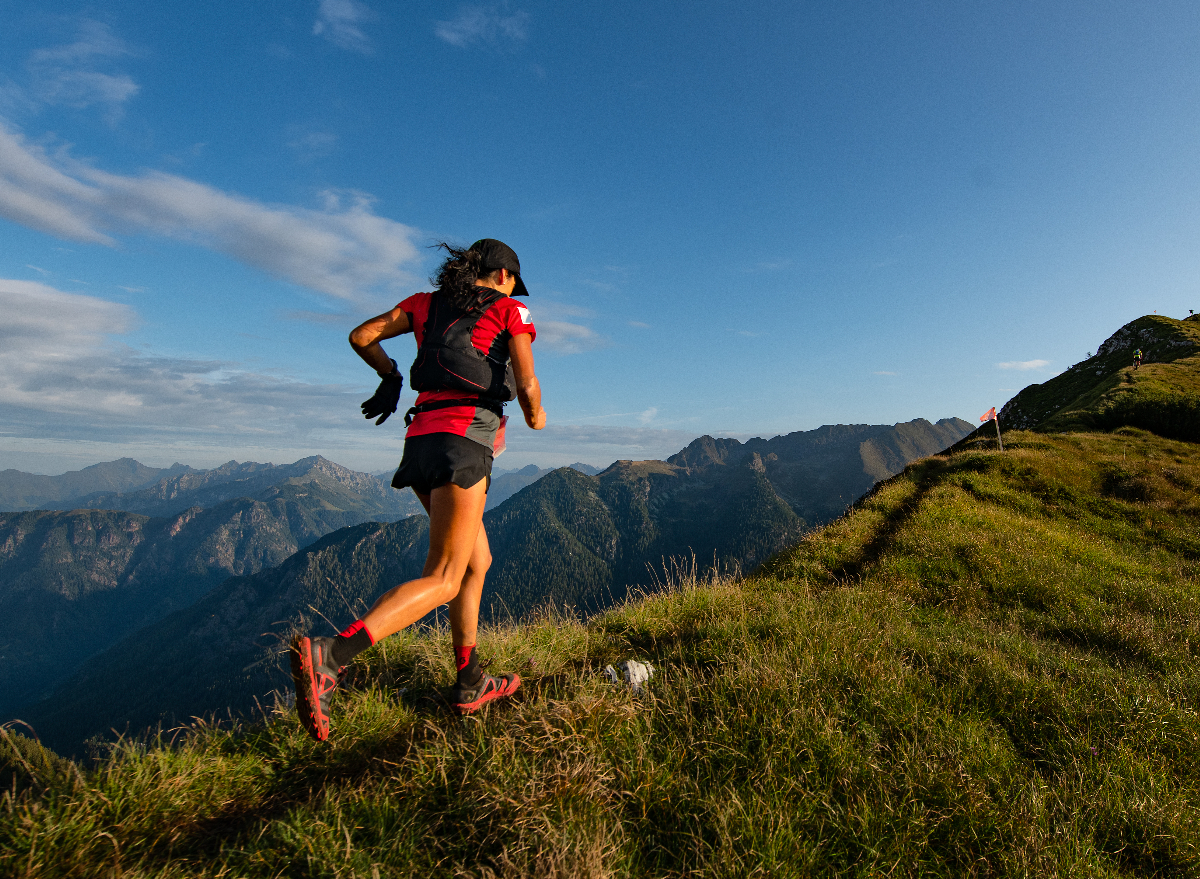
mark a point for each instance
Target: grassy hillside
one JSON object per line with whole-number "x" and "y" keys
{"x": 1105, "y": 391}
{"x": 988, "y": 668}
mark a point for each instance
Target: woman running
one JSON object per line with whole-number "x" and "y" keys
{"x": 474, "y": 354}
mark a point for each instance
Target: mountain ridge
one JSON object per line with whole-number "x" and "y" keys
{"x": 21, "y": 491}
{"x": 205, "y": 488}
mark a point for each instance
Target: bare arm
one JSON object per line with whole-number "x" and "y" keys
{"x": 365, "y": 338}
{"x": 529, "y": 392}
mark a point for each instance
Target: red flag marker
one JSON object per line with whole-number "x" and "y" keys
{"x": 990, "y": 415}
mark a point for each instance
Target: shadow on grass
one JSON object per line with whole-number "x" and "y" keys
{"x": 1113, "y": 647}
{"x": 928, "y": 475}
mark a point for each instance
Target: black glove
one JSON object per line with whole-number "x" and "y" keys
{"x": 386, "y": 398}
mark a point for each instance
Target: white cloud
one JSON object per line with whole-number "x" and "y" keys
{"x": 566, "y": 338}
{"x": 648, "y": 416}
{"x": 62, "y": 375}
{"x": 1023, "y": 364}
{"x": 562, "y": 336}
{"x": 338, "y": 21}
{"x": 72, "y": 74}
{"x": 37, "y": 315}
{"x": 883, "y": 372}
{"x": 483, "y": 25}
{"x": 344, "y": 250}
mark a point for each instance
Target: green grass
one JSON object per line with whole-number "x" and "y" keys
{"x": 987, "y": 668}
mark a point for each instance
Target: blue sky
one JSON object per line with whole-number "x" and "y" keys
{"x": 735, "y": 219}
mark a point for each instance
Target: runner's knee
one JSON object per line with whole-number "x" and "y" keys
{"x": 450, "y": 589}
{"x": 479, "y": 564}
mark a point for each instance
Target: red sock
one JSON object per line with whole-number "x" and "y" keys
{"x": 468, "y": 664}
{"x": 356, "y": 627}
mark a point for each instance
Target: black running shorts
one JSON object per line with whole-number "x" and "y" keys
{"x": 435, "y": 459}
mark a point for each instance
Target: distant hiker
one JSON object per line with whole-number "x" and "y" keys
{"x": 1137, "y": 358}
{"x": 474, "y": 354}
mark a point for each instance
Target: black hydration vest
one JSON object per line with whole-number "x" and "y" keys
{"x": 447, "y": 361}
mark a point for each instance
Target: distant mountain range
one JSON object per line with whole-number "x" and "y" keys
{"x": 568, "y": 538}
{"x": 75, "y": 583}
{"x": 177, "y": 492}
{"x": 31, "y": 491}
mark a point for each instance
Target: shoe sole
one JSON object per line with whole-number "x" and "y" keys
{"x": 305, "y": 682}
{"x": 469, "y": 707}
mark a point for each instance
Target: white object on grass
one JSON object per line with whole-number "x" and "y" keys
{"x": 634, "y": 673}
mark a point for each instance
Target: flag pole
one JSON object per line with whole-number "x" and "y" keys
{"x": 991, "y": 415}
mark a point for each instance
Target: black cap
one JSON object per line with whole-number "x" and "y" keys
{"x": 498, "y": 255}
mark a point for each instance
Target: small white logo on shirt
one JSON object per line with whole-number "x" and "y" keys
{"x": 524, "y": 312}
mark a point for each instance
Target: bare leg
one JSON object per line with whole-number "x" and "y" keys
{"x": 455, "y": 522}
{"x": 464, "y": 607}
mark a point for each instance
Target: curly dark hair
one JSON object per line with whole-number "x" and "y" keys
{"x": 456, "y": 277}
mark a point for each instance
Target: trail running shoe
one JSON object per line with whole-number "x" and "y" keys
{"x": 315, "y": 677}
{"x": 468, "y": 699}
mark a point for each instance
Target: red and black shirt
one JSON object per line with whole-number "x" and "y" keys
{"x": 503, "y": 319}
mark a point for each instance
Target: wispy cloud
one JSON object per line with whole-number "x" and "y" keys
{"x": 313, "y": 145}
{"x": 562, "y": 337}
{"x": 770, "y": 266}
{"x": 883, "y": 372}
{"x": 484, "y": 25}
{"x": 80, "y": 74}
{"x": 639, "y": 324}
{"x": 1023, "y": 364}
{"x": 648, "y": 416}
{"x": 338, "y": 21}
{"x": 70, "y": 378}
{"x": 343, "y": 250}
